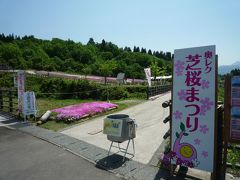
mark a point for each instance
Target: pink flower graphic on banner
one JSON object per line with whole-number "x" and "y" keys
{"x": 177, "y": 114}
{"x": 197, "y": 141}
{"x": 203, "y": 129}
{"x": 179, "y": 66}
{"x": 182, "y": 94}
{"x": 205, "y": 154}
{"x": 179, "y": 73}
{"x": 202, "y": 111}
{"x": 205, "y": 84}
{"x": 206, "y": 103}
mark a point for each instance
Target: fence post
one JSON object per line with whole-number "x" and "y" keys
{"x": 1, "y": 99}
{"x": 219, "y": 157}
{"x": 147, "y": 92}
{"x": 10, "y": 101}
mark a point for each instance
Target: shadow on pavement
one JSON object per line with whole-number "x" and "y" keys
{"x": 8, "y": 115}
{"x": 111, "y": 162}
{"x": 164, "y": 173}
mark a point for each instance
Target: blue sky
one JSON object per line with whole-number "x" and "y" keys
{"x": 152, "y": 24}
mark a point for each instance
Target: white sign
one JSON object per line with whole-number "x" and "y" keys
{"x": 112, "y": 127}
{"x": 29, "y": 103}
{"x": 148, "y": 75}
{"x": 193, "y": 107}
{"x": 21, "y": 89}
{"x": 120, "y": 78}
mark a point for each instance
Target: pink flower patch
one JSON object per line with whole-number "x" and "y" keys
{"x": 81, "y": 110}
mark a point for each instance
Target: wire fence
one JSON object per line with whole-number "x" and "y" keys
{"x": 157, "y": 90}
{"x": 8, "y": 100}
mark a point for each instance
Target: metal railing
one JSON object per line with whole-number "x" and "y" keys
{"x": 8, "y": 100}
{"x": 156, "y": 90}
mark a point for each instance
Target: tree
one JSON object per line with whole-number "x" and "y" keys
{"x": 91, "y": 41}
{"x": 161, "y": 55}
{"x": 106, "y": 69}
{"x": 143, "y": 50}
{"x": 136, "y": 49}
{"x": 156, "y": 70}
{"x": 235, "y": 72}
{"x": 106, "y": 55}
{"x": 157, "y": 54}
{"x": 168, "y": 55}
{"x": 149, "y": 52}
{"x": 86, "y": 71}
{"x": 127, "y": 49}
{"x": 29, "y": 52}
{"x": 103, "y": 45}
{"x": 134, "y": 71}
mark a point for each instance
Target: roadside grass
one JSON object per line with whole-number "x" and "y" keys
{"x": 48, "y": 104}
{"x": 44, "y": 104}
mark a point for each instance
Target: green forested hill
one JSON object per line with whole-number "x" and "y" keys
{"x": 102, "y": 59}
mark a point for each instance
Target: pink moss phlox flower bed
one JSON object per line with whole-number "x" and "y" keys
{"x": 79, "y": 111}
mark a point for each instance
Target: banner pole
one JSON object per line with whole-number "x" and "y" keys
{"x": 214, "y": 173}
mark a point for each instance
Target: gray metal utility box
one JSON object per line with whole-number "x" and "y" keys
{"x": 124, "y": 126}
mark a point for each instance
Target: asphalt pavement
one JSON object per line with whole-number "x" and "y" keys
{"x": 24, "y": 157}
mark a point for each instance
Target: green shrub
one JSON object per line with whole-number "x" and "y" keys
{"x": 59, "y": 88}
{"x": 115, "y": 92}
{"x": 138, "y": 95}
{"x": 6, "y": 80}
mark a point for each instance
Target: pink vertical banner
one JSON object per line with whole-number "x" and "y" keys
{"x": 193, "y": 108}
{"x": 21, "y": 89}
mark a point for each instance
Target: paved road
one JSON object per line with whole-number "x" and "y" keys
{"x": 150, "y": 130}
{"x": 24, "y": 157}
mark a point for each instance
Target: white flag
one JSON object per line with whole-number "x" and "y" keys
{"x": 148, "y": 75}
